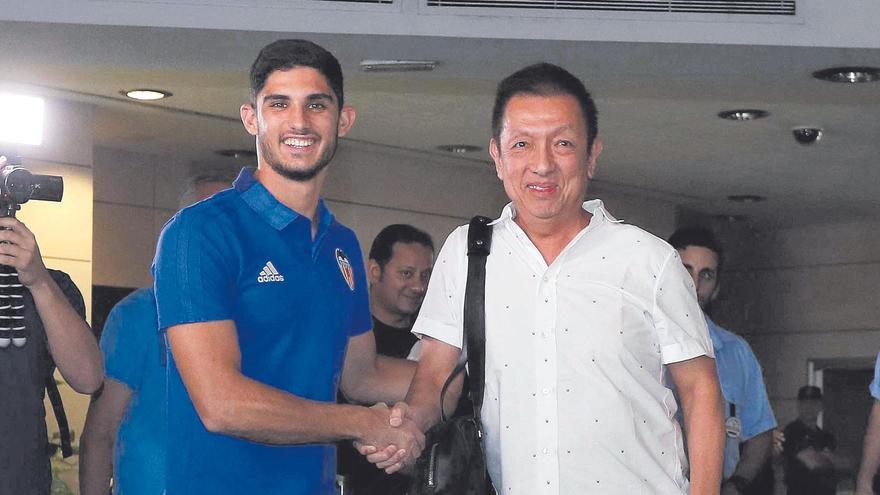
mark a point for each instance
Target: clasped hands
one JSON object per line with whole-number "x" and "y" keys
{"x": 395, "y": 441}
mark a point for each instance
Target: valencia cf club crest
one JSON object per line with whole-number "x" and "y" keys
{"x": 345, "y": 268}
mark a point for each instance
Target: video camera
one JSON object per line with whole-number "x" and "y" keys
{"x": 18, "y": 186}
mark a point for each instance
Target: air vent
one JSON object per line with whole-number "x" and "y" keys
{"x": 384, "y": 2}
{"x": 753, "y": 7}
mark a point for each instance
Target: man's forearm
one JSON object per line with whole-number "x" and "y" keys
{"x": 755, "y": 454}
{"x": 71, "y": 342}
{"x": 870, "y": 453}
{"x": 95, "y": 464}
{"x": 700, "y": 393}
{"x": 254, "y": 411}
{"x": 389, "y": 381}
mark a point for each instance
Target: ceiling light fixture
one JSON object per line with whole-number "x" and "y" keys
{"x": 746, "y": 198}
{"x": 744, "y": 114}
{"x": 238, "y": 154}
{"x": 458, "y": 148}
{"x": 398, "y": 65}
{"x": 146, "y": 94}
{"x": 850, "y": 75}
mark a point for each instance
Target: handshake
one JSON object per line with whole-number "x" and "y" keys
{"x": 392, "y": 441}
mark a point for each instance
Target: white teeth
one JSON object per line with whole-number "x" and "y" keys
{"x": 539, "y": 188}
{"x": 298, "y": 142}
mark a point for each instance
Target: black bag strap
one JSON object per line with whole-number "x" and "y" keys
{"x": 474, "y": 342}
{"x": 60, "y": 416}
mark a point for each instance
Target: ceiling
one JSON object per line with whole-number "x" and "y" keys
{"x": 657, "y": 104}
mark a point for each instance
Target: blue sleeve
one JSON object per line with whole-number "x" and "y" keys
{"x": 757, "y": 415}
{"x": 194, "y": 270}
{"x": 129, "y": 338}
{"x": 361, "y": 321}
{"x": 875, "y": 385}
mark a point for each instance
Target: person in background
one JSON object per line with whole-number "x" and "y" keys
{"x": 57, "y": 336}
{"x": 123, "y": 440}
{"x": 398, "y": 268}
{"x": 808, "y": 451}
{"x": 749, "y": 419}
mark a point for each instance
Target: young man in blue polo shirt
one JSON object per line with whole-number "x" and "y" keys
{"x": 263, "y": 298}
{"x": 749, "y": 419}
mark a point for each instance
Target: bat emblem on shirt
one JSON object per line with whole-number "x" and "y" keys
{"x": 345, "y": 268}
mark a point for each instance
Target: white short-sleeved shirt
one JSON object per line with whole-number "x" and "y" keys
{"x": 575, "y": 398}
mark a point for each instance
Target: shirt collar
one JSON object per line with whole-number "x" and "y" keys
{"x": 594, "y": 207}
{"x": 272, "y": 211}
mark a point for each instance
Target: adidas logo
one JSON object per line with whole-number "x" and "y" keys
{"x": 270, "y": 274}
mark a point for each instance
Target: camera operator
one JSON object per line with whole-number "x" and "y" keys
{"x": 54, "y": 315}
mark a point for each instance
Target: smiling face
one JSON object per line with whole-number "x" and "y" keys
{"x": 296, "y": 121}
{"x": 397, "y": 289}
{"x": 543, "y": 159}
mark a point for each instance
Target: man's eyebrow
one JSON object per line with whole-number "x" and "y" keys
{"x": 320, "y": 96}
{"x": 276, "y": 97}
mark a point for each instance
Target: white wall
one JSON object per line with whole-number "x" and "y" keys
{"x": 802, "y": 294}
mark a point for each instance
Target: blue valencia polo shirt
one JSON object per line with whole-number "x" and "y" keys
{"x": 133, "y": 356}
{"x": 295, "y": 301}
{"x": 875, "y": 385}
{"x": 742, "y": 386}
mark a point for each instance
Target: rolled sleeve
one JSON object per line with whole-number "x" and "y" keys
{"x": 441, "y": 315}
{"x": 680, "y": 325}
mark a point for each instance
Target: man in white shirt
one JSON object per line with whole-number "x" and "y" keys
{"x": 587, "y": 319}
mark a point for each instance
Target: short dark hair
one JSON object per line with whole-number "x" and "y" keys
{"x": 287, "y": 54}
{"x": 383, "y": 244}
{"x": 696, "y": 236}
{"x": 545, "y": 80}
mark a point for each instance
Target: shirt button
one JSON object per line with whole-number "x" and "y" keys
{"x": 546, "y": 278}
{"x": 545, "y": 391}
{"x": 546, "y": 450}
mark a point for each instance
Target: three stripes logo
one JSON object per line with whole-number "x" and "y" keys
{"x": 270, "y": 274}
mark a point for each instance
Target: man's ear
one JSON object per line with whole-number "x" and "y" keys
{"x": 495, "y": 153}
{"x": 347, "y": 117}
{"x": 249, "y": 118}
{"x": 595, "y": 151}
{"x": 374, "y": 271}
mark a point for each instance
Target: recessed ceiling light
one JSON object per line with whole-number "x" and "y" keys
{"x": 744, "y": 114}
{"x": 851, "y": 75}
{"x": 458, "y": 148}
{"x": 233, "y": 153}
{"x": 146, "y": 94}
{"x": 746, "y": 198}
{"x": 398, "y": 65}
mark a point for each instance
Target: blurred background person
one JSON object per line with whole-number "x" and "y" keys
{"x": 123, "y": 438}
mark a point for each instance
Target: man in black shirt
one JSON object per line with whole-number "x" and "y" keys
{"x": 398, "y": 269}
{"x": 810, "y": 463}
{"x": 57, "y": 335}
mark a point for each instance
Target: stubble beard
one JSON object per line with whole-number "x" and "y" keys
{"x": 298, "y": 175}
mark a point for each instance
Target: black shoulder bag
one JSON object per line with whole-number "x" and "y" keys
{"x": 453, "y": 462}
